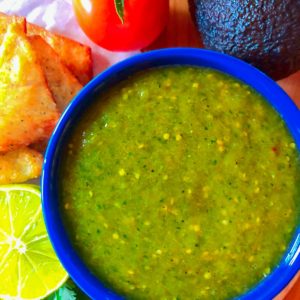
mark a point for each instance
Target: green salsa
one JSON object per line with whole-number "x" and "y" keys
{"x": 180, "y": 183}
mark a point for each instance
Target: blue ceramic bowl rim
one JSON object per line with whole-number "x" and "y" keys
{"x": 270, "y": 286}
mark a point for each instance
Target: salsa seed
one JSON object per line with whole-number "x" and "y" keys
{"x": 205, "y": 188}
{"x": 267, "y": 271}
{"x": 122, "y": 172}
{"x": 195, "y": 85}
{"x": 115, "y": 236}
{"x": 144, "y": 93}
{"x": 207, "y": 275}
{"x": 168, "y": 83}
{"x": 186, "y": 178}
{"x": 178, "y": 137}
{"x": 223, "y": 212}
{"x": 188, "y": 251}
{"x": 166, "y": 136}
{"x": 195, "y": 228}
{"x": 283, "y": 247}
{"x": 247, "y": 226}
{"x": 243, "y": 176}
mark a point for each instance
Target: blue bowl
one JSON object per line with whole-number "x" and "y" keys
{"x": 270, "y": 286}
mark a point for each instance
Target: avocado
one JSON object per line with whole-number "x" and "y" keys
{"x": 265, "y": 33}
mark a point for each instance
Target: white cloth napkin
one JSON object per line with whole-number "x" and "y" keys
{"x": 57, "y": 16}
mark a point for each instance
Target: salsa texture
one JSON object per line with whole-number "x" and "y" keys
{"x": 180, "y": 183}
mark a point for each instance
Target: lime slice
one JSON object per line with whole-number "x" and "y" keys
{"x": 29, "y": 268}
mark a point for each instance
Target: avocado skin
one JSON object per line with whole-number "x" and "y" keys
{"x": 265, "y": 33}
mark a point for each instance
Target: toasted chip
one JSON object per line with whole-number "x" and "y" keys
{"x": 40, "y": 146}
{"x": 20, "y": 165}
{"x": 62, "y": 84}
{"x": 28, "y": 112}
{"x": 75, "y": 56}
{"x": 6, "y": 19}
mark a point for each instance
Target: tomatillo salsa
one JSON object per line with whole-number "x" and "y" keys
{"x": 180, "y": 183}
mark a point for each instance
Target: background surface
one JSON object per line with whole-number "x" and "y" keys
{"x": 57, "y": 16}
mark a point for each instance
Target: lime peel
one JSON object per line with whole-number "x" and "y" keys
{"x": 29, "y": 268}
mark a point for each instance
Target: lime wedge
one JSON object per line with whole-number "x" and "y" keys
{"x": 29, "y": 268}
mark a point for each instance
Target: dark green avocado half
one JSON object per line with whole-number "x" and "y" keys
{"x": 265, "y": 33}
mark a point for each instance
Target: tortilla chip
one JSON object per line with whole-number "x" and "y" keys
{"x": 27, "y": 110}
{"x": 6, "y": 19}
{"x": 40, "y": 147}
{"x": 62, "y": 84}
{"x": 20, "y": 165}
{"x": 75, "y": 56}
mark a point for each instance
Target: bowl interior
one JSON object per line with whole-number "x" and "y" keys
{"x": 289, "y": 265}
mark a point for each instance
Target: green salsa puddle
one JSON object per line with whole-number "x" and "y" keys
{"x": 180, "y": 183}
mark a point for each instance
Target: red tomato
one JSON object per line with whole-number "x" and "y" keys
{"x": 144, "y": 20}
